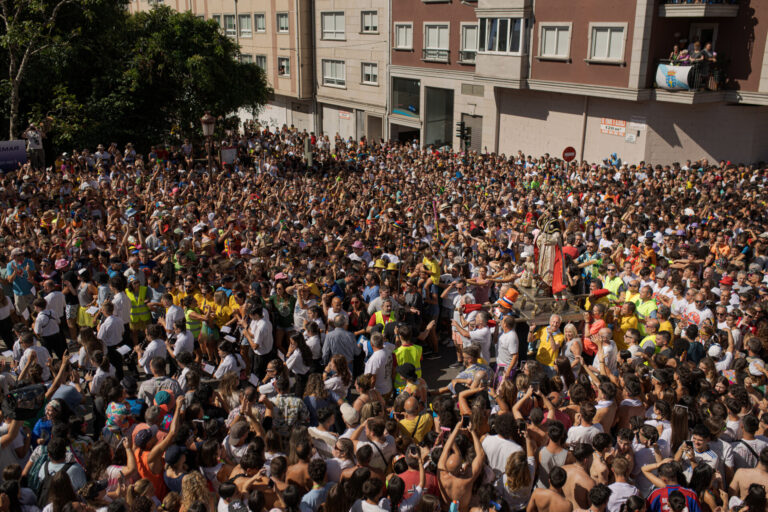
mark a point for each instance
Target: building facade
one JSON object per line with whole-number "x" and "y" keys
{"x": 277, "y": 36}
{"x": 351, "y": 62}
{"x": 546, "y": 76}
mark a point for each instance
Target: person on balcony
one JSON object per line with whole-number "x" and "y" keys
{"x": 674, "y": 57}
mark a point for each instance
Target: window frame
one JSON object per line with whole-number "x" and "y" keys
{"x": 224, "y": 25}
{"x": 217, "y": 19}
{"x": 482, "y": 48}
{"x": 424, "y": 49}
{"x": 239, "y": 25}
{"x": 325, "y": 78}
{"x": 462, "y": 46}
{"x": 362, "y": 73}
{"x": 408, "y": 24}
{"x": 278, "y": 15}
{"x": 256, "y": 61}
{"x": 256, "y": 16}
{"x": 555, "y": 25}
{"x": 243, "y": 57}
{"x": 606, "y": 24}
{"x": 288, "y": 67}
{"x": 323, "y": 16}
{"x": 375, "y": 29}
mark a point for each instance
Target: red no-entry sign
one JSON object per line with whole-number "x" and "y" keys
{"x": 569, "y": 154}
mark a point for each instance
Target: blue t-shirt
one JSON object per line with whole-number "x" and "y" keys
{"x": 313, "y": 499}
{"x": 21, "y": 284}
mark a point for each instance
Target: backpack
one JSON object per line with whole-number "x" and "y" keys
{"x": 33, "y": 477}
{"x": 42, "y": 496}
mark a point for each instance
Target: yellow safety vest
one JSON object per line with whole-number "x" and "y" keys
{"x": 193, "y": 325}
{"x": 379, "y": 316}
{"x": 613, "y": 286}
{"x": 139, "y": 309}
{"x": 407, "y": 354}
{"x": 644, "y": 310}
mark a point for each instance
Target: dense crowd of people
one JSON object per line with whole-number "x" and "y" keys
{"x": 273, "y": 336}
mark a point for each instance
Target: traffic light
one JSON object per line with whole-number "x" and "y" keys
{"x": 461, "y": 130}
{"x": 467, "y": 137}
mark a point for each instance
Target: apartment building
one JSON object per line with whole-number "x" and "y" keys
{"x": 276, "y": 35}
{"x": 540, "y": 76}
{"x": 351, "y": 59}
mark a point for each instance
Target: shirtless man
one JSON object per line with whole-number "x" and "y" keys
{"x": 456, "y": 477}
{"x": 745, "y": 477}
{"x": 552, "y": 499}
{"x": 579, "y": 483}
{"x": 363, "y": 456}
{"x": 598, "y": 498}
{"x": 600, "y": 472}
{"x": 298, "y": 474}
{"x": 631, "y": 406}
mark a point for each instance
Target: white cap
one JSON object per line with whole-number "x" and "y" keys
{"x": 715, "y": 351}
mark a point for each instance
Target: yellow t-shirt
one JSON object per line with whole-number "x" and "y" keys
{"x": 419, "y": 427}
{"x": 667, "y": 326}
{"x": 546, "y": 354}
{"x": 623, "y": 324}
{"x": 434, "y": 269}
{"x": 222, "y": 314}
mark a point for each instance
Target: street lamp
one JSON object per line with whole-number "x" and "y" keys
{"x": 209, "y": 123}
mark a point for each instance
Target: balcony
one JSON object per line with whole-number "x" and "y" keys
{"x": 467, "y": 56}
{"x": 699, "y": 9}
{"x": 435, "y": 55}
{"x": 698, "y": 83}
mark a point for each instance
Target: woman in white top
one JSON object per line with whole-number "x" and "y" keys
{"x": 104, "y": 369}
{"x": 337, "y": 378}
{"x": 231, "y": 361}
{"x": 298, "y": 360}
{"x": 573, "y": 347}
{"x": 517, "y": 482}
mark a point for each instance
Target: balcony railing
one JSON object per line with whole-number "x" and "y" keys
{"x": 699, "y": 9}
{"x": 699, "y": 76}
{"x": 434, "y": 55}
{"x": 467, "y": 56}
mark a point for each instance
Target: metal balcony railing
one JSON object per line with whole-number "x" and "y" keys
{"x": 703, "y": 76}
{"x": 434, "y": 55}
{"x": 467, "y": 56}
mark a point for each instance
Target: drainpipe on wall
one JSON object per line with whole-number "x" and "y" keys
{"x": 584, "y": 127}
{"x": 316, "y": 123}
{"x": 388, "y": 87}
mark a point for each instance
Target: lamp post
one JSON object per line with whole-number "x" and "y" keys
{"x": 209, "y": 123}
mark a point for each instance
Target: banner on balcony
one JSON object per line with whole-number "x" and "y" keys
{"x": 673, "y": 78}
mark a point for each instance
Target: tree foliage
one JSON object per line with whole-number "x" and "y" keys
{"x": 142, "y": 78}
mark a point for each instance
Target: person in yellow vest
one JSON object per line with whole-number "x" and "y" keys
{"x": 614, "y": 284}
{"x": 193, "y": 316}
{"x": 382, "y": 317}
{"x": 406, "y": 352}
{"x": 633, "y": 292}
{"x": 140, "y": 314}
{"x": 651, "y": 328}
{"x": 549, "y": 340}
{"x": 665, "y": 324}
{"x": 624, "y": 320}
{"x": 646, "y": 308}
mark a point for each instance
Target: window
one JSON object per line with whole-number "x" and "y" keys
{"x": 370, "y": 22}
{"x": 436, "y": 43}
{"x": 282, "y": 22}
{"x": 406, "y": 97}
{"x": 370, "y": 73}
{"x": 607, "y": 43}
{"x": 217, "y": 19}
{"x": 334, "y": 73}
{"x": 246, "y": 29}
{"x": 261, "y": 22}
{"x": 246, "y": 58}
{"x": 555, "y": 41}
{"x": 229, "y": 25}
{"x": 332, "y": 25}
{"x": 403, "y": 36}
{"x": 468, "y": 43}
{"x": 500, "y": 35}
{"x": 283, "y": 66}
{"x": 261, "y": 61}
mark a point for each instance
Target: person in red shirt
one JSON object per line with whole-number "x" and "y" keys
{"x": 411, "y": 476}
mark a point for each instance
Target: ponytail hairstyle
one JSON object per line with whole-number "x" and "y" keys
{"x": 101, "y": 360}
{"x": 633, "y": 504}
{"x": 395, "y": 491}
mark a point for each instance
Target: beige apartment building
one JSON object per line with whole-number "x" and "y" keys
{"x": 277, "y": 35}
{"x": 351, "y": 62}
